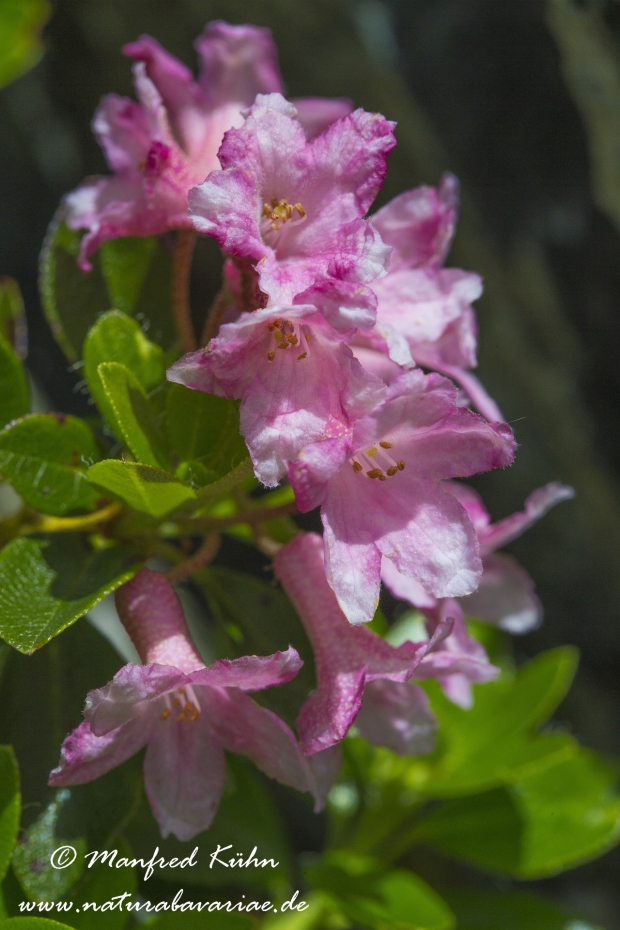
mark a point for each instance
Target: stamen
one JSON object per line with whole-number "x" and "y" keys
{"x": 280, "y": 212}
{"x": 303, "y": 355}
{"x": 271, "y": 355}
{"x": 386, "y": 445}
{"x": 176, "y": 703}
{"x": 165, "y": 714}
{"x": 392, "y": 470}
{"x": 357, "y": 468}
{"x": 375, "y": 473}
{"x": 282, "y": 345}
{"x": 401, "y": 465}
{"x": 292, "y": 338}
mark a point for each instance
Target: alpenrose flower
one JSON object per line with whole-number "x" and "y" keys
{"x": 186, "y": 715}
{"x": 380, "y": 489}
{"x": 424, "y": 311}
{"x": 294, "y": 375}
{"x": 166, "y": 143}
{"x": 505, "y": 596}
{"x": 297, "y": 207}
{"x": 361, "y": 678}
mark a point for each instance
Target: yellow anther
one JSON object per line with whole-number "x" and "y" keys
{"x": 375, "y": 473}
{"x": 281, "y": 211}
{"x": 165, "y": 714}
{"x": 176, "y": 703}
{"x": 283, "y": 344}
{"x": 271, "y": 355}
{"x": 392, "y": 470}
{"x": 356, "y": 467}
{"x": 303, "y": 355}
{"x": 292, "y": 338}
{"x": 386, "y": 445}
{"x": 401, "y": 465}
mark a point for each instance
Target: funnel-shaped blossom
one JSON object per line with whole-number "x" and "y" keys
{"x": 294, "y": 375}
{"x": 297, "y": 207}
{"x": 162, "y": 146}
{"x": 381, "y": 493}
{"x": 185, "y": 714}
{"x": 358, "y": 673}
{"x": 505, "y": 595}
{"x": 424, "y": 311}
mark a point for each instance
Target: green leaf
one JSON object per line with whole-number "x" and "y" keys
{"x": 147, "y": 489}
{"x": 101, "y": 885}
{"x": 493, "y": 741}
{"x": 31, "y": 923}
{"x": 115, "y": 337}
{"x": 204, "y": 428}
{"x": 14, "y": 393}
{"x": 226, "y": 484}
{"x": 133, "y": 419}
{"x": 47, "y": 584}
{"x": 128, "y": 274}
{"x": 21, "y": 22}
{"x": 10, "y": 806}
{"x": 42, "y": 697}
{"x": 13, "y": 316}
{"x": 246, "y": 817}
{"x": 217, "y": 920}
{"x": 571, "y": 813}
{"x": 375, "y": 898}
{"x": 259, "y": 619}
{"x": 45, "y": 457}
{"x": 477, "y": 910}
{"x": 32, "y": 859}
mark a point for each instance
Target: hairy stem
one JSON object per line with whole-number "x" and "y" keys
{"x": 183, "y": 252}
{"x": 215, "y": 316}
{"x": 205, "y": 554}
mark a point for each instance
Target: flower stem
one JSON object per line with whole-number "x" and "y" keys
{"x": 214, "y": 317}
{"x": 183, "y": 252}
{"x": 205, "y": 554}
{"x": 44, "y": 524}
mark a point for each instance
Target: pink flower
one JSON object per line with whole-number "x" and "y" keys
{"x": 424, "y": 311}
{"x": 294, "y": 375}
{"x": 360, "y": 677}
{"x": 162, "y": 146}
{"x": 185, "y": 714}
{"x": 297, "y": 208}
{"x": 380, "y": 491}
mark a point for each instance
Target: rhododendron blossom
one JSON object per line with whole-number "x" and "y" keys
{"x": 294, "y": 375}
{"x": 297, "y": 207}
{"x": 186, "y": 715}
{"x": 380, "y": 491}
{"x": 166, "y": 143}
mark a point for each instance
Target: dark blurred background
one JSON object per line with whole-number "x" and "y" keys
{"x": 520, "y": 99}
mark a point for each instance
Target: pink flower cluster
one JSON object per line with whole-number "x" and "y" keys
{"x": 344, "y": 356}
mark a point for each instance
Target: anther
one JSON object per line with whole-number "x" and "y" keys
{"x": 401, "y": 465}
{"x": 292, "y": 338}
{"x": 176, "y": 703}
{"x": 375, "y": 473}
{"x": 282, "y": 345}
{"x": 303, "y": 355}
{"x": 165, "y": 714}
{"x": 386, "y": 445}
{"x": 357, "y": 468}
{"x": 271, "y": 355}
{"x": 392, "y": 470}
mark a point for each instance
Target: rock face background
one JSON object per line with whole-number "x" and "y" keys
{"x": 520, "y": 99}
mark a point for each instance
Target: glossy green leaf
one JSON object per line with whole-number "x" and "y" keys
{"x": 510, "y": 911}
{"x": 47, "y": 584}
{"x": 216, "y": 920}
{"x": 132, "y": 415}
{"x": 14, "y": 393}
{"x": 145, "y": 488}
{"x": 375, "y": 898}
{"x": 45, "y": 457}
{"x": 10, "y": 806}
{"x": 32, "y": 859}
{"x": 246, "y": 817}
{"x": 128, "y": 274}
{"x": 115, "y": 337}
{"x": 258, "y": 619}
{"x": 13, "y": 316}
{"x": 21, "y": 23}
{"x": 204, "y": 428}
{"x": 225, "y": 485}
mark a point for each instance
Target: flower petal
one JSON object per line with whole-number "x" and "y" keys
{"x": 536, "y": 506}
{"x": 85, "y": 756}
{"x": 505, "y": 596}
{"x": 397, "y": 715}
{"x": 127, "y": 696}
{"x": 250, "y": 673}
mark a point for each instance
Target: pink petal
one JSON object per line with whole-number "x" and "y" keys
{"x": 403, "y": 588}
{"x": 325, "y": 766}
{"x": 251, "y": 673}
{"x": 128, "y": 695}
{"x": 244, "y": 727}
{"x": 316, "y": 114}
{"x": 184, "y": 771}
{"x": 85, "y": 757}
{"x": 478, "y": 395}
{"x": 237, "y": 63}
{"x": 124, "y": 132}
{"x": 397, "y": 715}
{"x": 505, "y": 596}
{"x": 419, "y": 224}
{"x": 313, "y": 468}
{"x": 472, "y": 502}
{"x": 536, "y": 506}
